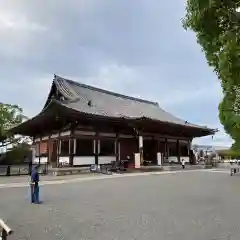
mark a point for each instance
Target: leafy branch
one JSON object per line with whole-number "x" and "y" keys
{"x": 217, "y": 27}
{"x": 10, "y": 116}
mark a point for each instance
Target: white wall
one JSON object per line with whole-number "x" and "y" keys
{"x": 106, "y": 159}
{"x": 64, "y": 160}
{"x": 186, "y": 159}
{"x": 42, "y": 160}
{"x": 83, "y": 160}
{"x": 173, "y": 159}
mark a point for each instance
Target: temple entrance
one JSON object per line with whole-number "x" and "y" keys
{"x": 150, "y": 147}
{"x": 128, "y": 147}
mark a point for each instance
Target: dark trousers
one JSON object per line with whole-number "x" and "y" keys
{"x": 34, "y": 193}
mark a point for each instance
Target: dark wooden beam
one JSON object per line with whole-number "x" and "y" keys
{"x": 96, "y": 148}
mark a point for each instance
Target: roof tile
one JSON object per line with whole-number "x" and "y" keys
{"x": 112, "y": 104}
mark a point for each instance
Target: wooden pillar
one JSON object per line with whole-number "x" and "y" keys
{"x": 96, "y": 147}
{"x": 39, "y": 151}
{"x": 178, "y": 151}
{"x": 117, "y": 147}
{"x": 191, "y": 160}
{"x": 71, "y": 147}
{"x": 58, "y": 148}
{"x": 166, "y": 149}
{"x": 189, "y": 146}
{"x": 49, "y": 149}
{"x": 71, "y": 151}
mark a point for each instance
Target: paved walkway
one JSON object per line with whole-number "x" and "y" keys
{"x": 180, "y": 205}
{"x": 47, "y": 178}
{"x": 26, "y": 178}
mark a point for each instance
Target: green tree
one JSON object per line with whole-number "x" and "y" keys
{"x": 18, "y": 153}
{"x": 229, "y": 153}
{"x": 217, "y": 27}
{"x": 10, "y": 115}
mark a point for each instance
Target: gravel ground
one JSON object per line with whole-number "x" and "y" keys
{"x": 181, "y": 206}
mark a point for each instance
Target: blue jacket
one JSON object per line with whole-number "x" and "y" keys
{"x": 35, "y": 176}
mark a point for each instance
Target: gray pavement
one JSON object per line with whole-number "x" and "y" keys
{"x": 49, "y": 177}
{"x": 26, "y": 178}
{"x": 197, "y": 205}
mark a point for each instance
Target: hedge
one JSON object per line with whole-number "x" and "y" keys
{"x": 229, "y": 153}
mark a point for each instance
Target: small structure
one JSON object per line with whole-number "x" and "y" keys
{"x": 83, "y": 125}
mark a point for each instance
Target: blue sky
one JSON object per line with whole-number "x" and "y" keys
{"x": 135, "y": 47}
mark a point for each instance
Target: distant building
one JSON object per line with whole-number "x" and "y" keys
{"x": 206, "y": 150}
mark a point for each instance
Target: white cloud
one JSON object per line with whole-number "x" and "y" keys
{"x": 18, "y": 33}
{"x": 186, "y": 96}
{"x": 111, "y": 77}
{"x": 11, "y": 21}
{"x": 31, "y": 93}
{"x": 220, "y": 139}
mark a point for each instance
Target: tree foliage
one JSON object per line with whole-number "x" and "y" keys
{"x": 18, "y": 154}
{"x": 229, "y": 153}
{"x": 217, "y": 27}
{"x": 10, "y": 115}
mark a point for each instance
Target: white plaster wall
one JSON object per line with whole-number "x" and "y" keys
{"x": 83, "y": 160}
{"x": 106, "y": 159}
{"x": 173, "y": 159}
{"x": 186, "y": 159}
{"x": 64, "y": 160}
{"x": 42, "y": 160}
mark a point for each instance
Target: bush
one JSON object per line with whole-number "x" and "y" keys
{"x": 18, "y": 154}
{"x": 229, "y": 153}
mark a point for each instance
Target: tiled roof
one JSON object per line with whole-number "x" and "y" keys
{"x": 92, "y": 100}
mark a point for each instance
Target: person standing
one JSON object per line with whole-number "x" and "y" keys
{"x": 34, "y": 185}
{"x": 183, "y": 163}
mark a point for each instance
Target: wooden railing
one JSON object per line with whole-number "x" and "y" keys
{"x": 5, "y": 230}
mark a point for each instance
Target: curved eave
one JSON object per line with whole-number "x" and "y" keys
{"x": 200, "y": 131}
{"x": 197, "y": 131}
{"x": 48, "y": 116}
{"x": 26, "y": 128}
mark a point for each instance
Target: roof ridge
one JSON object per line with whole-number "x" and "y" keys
{"x": 65, "y": 89}
{"x": 108, "y": 92}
